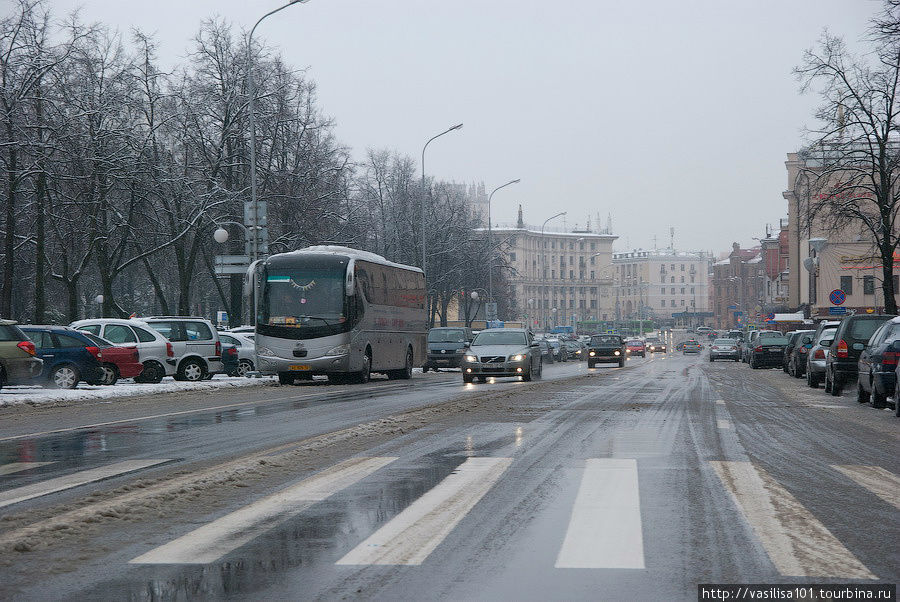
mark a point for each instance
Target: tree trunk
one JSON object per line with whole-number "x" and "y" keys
{"x": 887, "y": 271}
{"x": 9, "y": 243}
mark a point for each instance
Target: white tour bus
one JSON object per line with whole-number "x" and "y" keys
{"x": 339, "y": 312}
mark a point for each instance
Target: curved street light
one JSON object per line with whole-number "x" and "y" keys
{"x": 447, "y": 131}
{"x": 544, "y": 264}
{"x": 491, "y": 240}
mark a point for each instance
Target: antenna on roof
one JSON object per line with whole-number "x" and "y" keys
{"x": 672, "y": 238}
{"x": 609, "y": 223}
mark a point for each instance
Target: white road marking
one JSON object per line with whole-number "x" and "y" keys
{"x": 825, "y": 405}
{"x": 414, "y": 533}
{"x": 20, "y": 466}
{"x": 605, "y": 527}
{"x": 723, "y": 424}
{"x": 213, "y": 540}
{"x": 720, "y": 402}
{"x": 20, "y": 494}
{"x": 796, "y": 542}
{"x": 879, "y": 481}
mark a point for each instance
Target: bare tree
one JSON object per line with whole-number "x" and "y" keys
{"x": 854, "y": 161}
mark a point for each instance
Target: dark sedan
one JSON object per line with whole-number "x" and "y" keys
{"x": 606, "y": 348}
{"x": 768, "y": 350}
{"x": 877, "y": 365}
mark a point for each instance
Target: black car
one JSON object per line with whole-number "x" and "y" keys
{"x": 797, "y": 357}
{"x": 546, "y": 352}
{"x": 850, "y": 339}
{"x": 877, "y": 365}
{"x": 793, "y": 338}
{"x": 654, "y": 345}
{"x": 768, "y": 350}
{"x": 446, "y": 346}
{"x": 606, "y": 348}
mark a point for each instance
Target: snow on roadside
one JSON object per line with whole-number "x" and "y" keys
{"x": 35, "y": 395}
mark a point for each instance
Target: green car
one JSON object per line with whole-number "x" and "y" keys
{"x": 18, "y": 365}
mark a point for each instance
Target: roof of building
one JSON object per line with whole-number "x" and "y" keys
{"x": 658, "y": 254}
{"x": 528, "y": 230}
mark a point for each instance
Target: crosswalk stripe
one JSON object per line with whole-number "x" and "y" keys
{"x": 723, "y": 424}
{"x": 796, "y": 542}
{"x": 20, "y": 494}
{"x": 720, "y": 402}
{"x": 20, "y": 466}
{"x": 879, "y": 481}
{"x": 605, "y": 526}
{"x": 413, "y": 534}
{"x": 213, "y": 540}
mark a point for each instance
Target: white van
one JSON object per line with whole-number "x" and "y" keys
{"x": 198, "y": 350}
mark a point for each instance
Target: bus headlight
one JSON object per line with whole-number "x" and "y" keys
{"x": 339, "y": 350}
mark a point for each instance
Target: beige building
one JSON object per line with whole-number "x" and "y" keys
{"x": 821, "y": 260}
{"x": 663, "y": 284}
{"x": 558, "y": 278}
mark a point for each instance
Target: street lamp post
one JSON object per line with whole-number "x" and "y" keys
{"x": 221, "y": 237}
{"x": 447, "y": 131}
{"x": 544, "y": 266}
{"x": 251, "y": 90}
{"x": 491, "y": 240}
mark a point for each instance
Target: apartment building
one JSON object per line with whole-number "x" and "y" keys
{"x": 662, "y": 283}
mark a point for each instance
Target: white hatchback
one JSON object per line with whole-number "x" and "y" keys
{"x": 154, "y": 350}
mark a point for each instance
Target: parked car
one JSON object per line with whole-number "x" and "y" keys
{"x": 877, "y": 365}
{"x": 793, "y": 338}
{"x": 19, "y": 364}
{"x": 606, "y": 348}
{"x": 850, "y": 339}
{"x": 198, "y": 350}
{"x": 655, "y": 344}
{"x": 751, "y": 343}
{"x": 818, "y": 352}
{"x": 797, "y": 356}
{"x": 502, "y": 352}
{"x": 116, "y": 361}
{"x": 154, "y": 350}
{"x": 69, "y": 356}
{"x": 691, "y": 346}
{"x": 724, "y": 349}
{"x": 896, "y": 401}
{"x": 768, "y": 350}
{"x": 246, "y": 352}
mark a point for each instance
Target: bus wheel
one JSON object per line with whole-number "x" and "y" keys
{"x": 363, "y": 376}
{"x": 406, "y": 372}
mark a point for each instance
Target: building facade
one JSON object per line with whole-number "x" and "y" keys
{"x": 663, "y": 284}
{"x": 822, "y": 260}
{"x": 738, "y": 283}
{"x": 558, "y": 278}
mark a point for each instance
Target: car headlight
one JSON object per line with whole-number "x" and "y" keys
{"x": 591, "y": 354}
{"x": 616, "y": 352}
{"x": 652, "y": 347}
{"x": 471, "y": 358}
{"x": 339, "y": 350}
{"x": 516, "y": 358}
{"x": 265, "y": 351}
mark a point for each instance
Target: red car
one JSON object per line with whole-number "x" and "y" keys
{"x": 635, "y": 347}
{"x": 115, "y": 361}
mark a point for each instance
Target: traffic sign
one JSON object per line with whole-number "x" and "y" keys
{"x": 770, "y": 316}
{"x": 231, "y": 264}
{"x": 490, "y": 311}
{"x": 837, "y": 311}
{"x": 837, "y": 297}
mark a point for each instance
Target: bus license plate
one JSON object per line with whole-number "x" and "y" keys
{"x": 300, "y": 367}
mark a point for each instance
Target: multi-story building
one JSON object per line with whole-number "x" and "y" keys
{"x": 558, "y": 277}
{"x": 823, "y": 259}
{"x": 738, "y": 288}
{"x": 775, "y": 258}
{"x": 664, "y": 284}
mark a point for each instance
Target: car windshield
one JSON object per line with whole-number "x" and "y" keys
{"x": 499, "y": 338}
{"x": 606, "y": 340}
{"x": 447, "y": 335}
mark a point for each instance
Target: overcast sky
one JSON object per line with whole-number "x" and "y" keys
{"x": 662, "y": 113}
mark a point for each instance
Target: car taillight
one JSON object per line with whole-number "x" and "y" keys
{"x": 232, "y": 351}
{"x": 170, "y": 350}
{"x": 889, "y": 358}
{"x": 218, "y": 348}
{"x": 759, "y": 348}
{"x": 819, "y": 354}
{"x": 27, "y": 347}
{"x": 842, "y": 349}
{"x": 95, "y": 351}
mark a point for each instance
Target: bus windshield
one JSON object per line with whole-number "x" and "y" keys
{"x": 301, "y": 297}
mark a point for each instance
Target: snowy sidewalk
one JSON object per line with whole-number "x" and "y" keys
{"x": 35, "y": 395}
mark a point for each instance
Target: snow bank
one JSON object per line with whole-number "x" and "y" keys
{"x": 35, "y": 395}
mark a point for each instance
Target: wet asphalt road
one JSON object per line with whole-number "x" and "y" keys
{"x": 633, "y": 483}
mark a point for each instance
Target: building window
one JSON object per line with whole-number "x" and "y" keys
{"x": 593, "y": 304}
{"x": 571, "y": 260}
{"x": 672, "y": 267}
{"x": 571, "y": 274}
{"x": 512, "y": 256}
{"x": 672, "y": 302}
{"x": 673, "y": 290}
{"x": 662, "y": 303}
{"x": 869, "y": 285}
{"x": 682, "y": 302}
{"x": 682, "y": 290}
{"x": 672, "y": 281}
{"x": 662, "y": 279}
{"x": 692, "y": 279}
{"x": 682, "y": 267}
{"x": 571, "y": 303}
{"x": 571, "y": 246}
{"x": 553, "y": 274}
{"x": 593, "y": 246}
{"x": 692, "y": 290}
{"x": 592, "y": 260}
{"x": 847, "y": 284}
{"x": 592, "y": 274}
{"x": 682, "y": 280}
{"x": 662, "y": 291}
